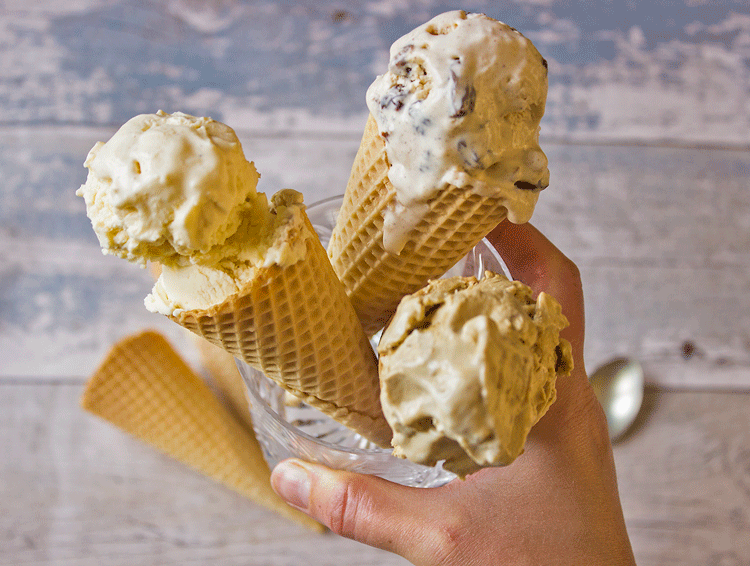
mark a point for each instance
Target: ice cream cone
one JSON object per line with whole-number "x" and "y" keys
{"x": 376, "y": 279}
{"x": 144, "y": 388}
{"x": 247, "y": 274}
{"x": 297, "y": 326}
{"x": 222, "y": 372}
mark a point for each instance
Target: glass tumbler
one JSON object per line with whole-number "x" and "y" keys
{"x": 291, "y": 429}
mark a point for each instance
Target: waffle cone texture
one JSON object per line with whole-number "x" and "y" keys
{"x": 144, "y": 388}
{"x": 297, "y": 326}
{"x": 375, "y": 279}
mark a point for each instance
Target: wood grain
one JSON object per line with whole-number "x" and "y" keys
{"x": 80, "y": 492}
{"x": 684, "y": 477}
{"x": 647, "y": 130}
{"x": 660, "y": 234}
{"x": 623, "y": 70}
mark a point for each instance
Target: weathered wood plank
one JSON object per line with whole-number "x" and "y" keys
{"x": 684, "y": 478}
{"x": 76, "y": 491}
{"x": 661, "y": 236}
{"x": 616, "y": 70}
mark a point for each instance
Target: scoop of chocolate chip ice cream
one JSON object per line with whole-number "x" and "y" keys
{"x": 460, "y": 105}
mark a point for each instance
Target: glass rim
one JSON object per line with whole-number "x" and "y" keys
{"x": 244, "y": 366}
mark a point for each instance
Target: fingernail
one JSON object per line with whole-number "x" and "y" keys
{"x": 291, "y": 482}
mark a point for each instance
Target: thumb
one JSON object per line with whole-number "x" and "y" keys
{"x": 362, "y": 507}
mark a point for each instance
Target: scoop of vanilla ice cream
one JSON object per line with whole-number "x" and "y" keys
{"x": 461, "y": 105}
{"x": 280, "y": 240}
{"x": 168, "y": 188}
{"x": 467, "y": 367}
{"x": 177, "y": 190}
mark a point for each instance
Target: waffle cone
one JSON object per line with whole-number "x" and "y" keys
{"x": 222, "y": 372}
{"x": 297, "y": 326}
{"x": 144, "y": 388}
{"x": 375, "y": 279}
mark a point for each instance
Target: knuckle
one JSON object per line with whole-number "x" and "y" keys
{"x": 588, "y": 421}
{"x": 572, "y": 272}
{"x": 567, "y": 271}
{"x": 345, "y": 504}
{"x": 450, "y": 535}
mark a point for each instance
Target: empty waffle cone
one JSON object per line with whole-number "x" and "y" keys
{"x": 144, "y": 388}
{"x": 375, "y": 279}
{"x": 297, "y": 326}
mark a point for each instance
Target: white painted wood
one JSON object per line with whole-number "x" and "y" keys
{"x": 684, "y": 480}
{"x": 77, "y": 491}
{"x": 663, "y": 242}
{"x": 645, "y": 70}
{"x": 661, "y": 236}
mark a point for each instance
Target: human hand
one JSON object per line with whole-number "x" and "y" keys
{"x": 556, "y": 504}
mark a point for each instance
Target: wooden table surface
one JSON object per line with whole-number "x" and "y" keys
{"x": 648, "y": 135}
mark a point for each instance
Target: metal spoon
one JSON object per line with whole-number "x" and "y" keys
{"x": 618, "y": 385}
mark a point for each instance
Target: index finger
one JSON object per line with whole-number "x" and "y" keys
{"x": 534, "y": 260}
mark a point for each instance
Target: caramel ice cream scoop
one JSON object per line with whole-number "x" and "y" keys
{"x": 467, "y": 367}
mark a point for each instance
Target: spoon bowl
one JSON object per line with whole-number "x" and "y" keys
{"x": 618, "y": 385}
